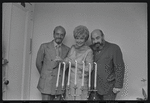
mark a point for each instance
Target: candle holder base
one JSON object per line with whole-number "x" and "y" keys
{"x": 95, "y": 91}
{"x": 82, "y": 88}
{"x": 56, "y": 93}
{"x": 62, "y": 95}
{"x": 68, "y": 88}
{"x": 75, "y": 88}
{"x": 89, "y": 91}
{"x": 74, "y": 95}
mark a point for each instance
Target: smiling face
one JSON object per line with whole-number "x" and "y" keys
{"x": 97, "y": 38}
{"x": 81, "y": 35}
{"x": 80, "y": 41}
{"x": 59, "y": 34}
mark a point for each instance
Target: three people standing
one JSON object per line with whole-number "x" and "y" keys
{"x": 108, "y": 56}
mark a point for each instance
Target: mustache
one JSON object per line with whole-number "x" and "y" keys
{"x": 98, "y": 43}
{"x": 58, "y": 38}
{"x": 97, "y": 46}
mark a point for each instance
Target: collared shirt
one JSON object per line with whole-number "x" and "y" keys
{"x": 55, "y": 44}
{"x": 59, "y": 45}
{"x": 102, "y": 46}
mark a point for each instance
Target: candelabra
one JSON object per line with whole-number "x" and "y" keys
{"x": 75, "y": 92}
{"x": 75, "y": 82}
{"x": 82, "y": 89}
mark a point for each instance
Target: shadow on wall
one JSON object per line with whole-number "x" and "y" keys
{"x": 88, "y": 43}
{"x": 124, "y": 91}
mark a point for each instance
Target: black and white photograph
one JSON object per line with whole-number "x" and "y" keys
{"x": 74, "y": 51}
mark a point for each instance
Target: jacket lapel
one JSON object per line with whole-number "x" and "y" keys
{"x": 63, "y": 51}
{"x": 52, "y": 49}
{"x": 98, "y": 55}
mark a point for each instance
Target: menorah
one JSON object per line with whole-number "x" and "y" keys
{"x": 75, "y": 82}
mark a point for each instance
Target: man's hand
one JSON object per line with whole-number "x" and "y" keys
{"x": 58, "y": 59}
{"x": 116, "y": 90}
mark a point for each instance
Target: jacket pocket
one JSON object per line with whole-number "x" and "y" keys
{"x": 111, "y": 77}
{"x": 41, "y": 82}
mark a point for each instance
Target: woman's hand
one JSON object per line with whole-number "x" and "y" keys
{"x": 59, "y": 59}
{"x": 67, "y": 60}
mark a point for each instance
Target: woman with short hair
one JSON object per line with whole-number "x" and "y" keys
{"x": 79, "y": 52}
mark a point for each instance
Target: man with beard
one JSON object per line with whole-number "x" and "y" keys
{"x": 110, "y": 67}
{"x": 47, "y": 65}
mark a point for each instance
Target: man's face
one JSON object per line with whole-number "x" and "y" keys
{"x": 97, "y": 39}
{"x": 59, "y": 35}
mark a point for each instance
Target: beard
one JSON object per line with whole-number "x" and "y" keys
{"x": 97, "y": 46}
{"x": 58, "y": 40}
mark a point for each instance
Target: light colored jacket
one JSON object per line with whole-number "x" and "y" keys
{"x": 48, "y": 69}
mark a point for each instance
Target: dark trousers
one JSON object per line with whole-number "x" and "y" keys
{"x": 50, "y": 97}
{"x": 108, "y": 96}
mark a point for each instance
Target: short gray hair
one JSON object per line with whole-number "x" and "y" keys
{"x": 81, "y": 31}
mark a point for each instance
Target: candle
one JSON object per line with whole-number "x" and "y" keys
{"x": 83, "y": 74}
{"x": 95, "y": 79}
{"x": 89, "y": 75}
{"x": 58, "y": 75}
{"x": 63, "y": 74}
{"x": 75, "y": 82}
{"x": 69, "y": 73}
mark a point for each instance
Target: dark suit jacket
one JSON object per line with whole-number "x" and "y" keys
{"x": 110, "y": 68}
{"x": 48, "y": 69}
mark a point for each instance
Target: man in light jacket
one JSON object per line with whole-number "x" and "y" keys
{"x": 48, "y": 67}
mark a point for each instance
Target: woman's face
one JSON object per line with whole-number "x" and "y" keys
{"x": 80, "y": 41}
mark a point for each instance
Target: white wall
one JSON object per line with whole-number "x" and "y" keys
{"x": 122, "y": 23}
